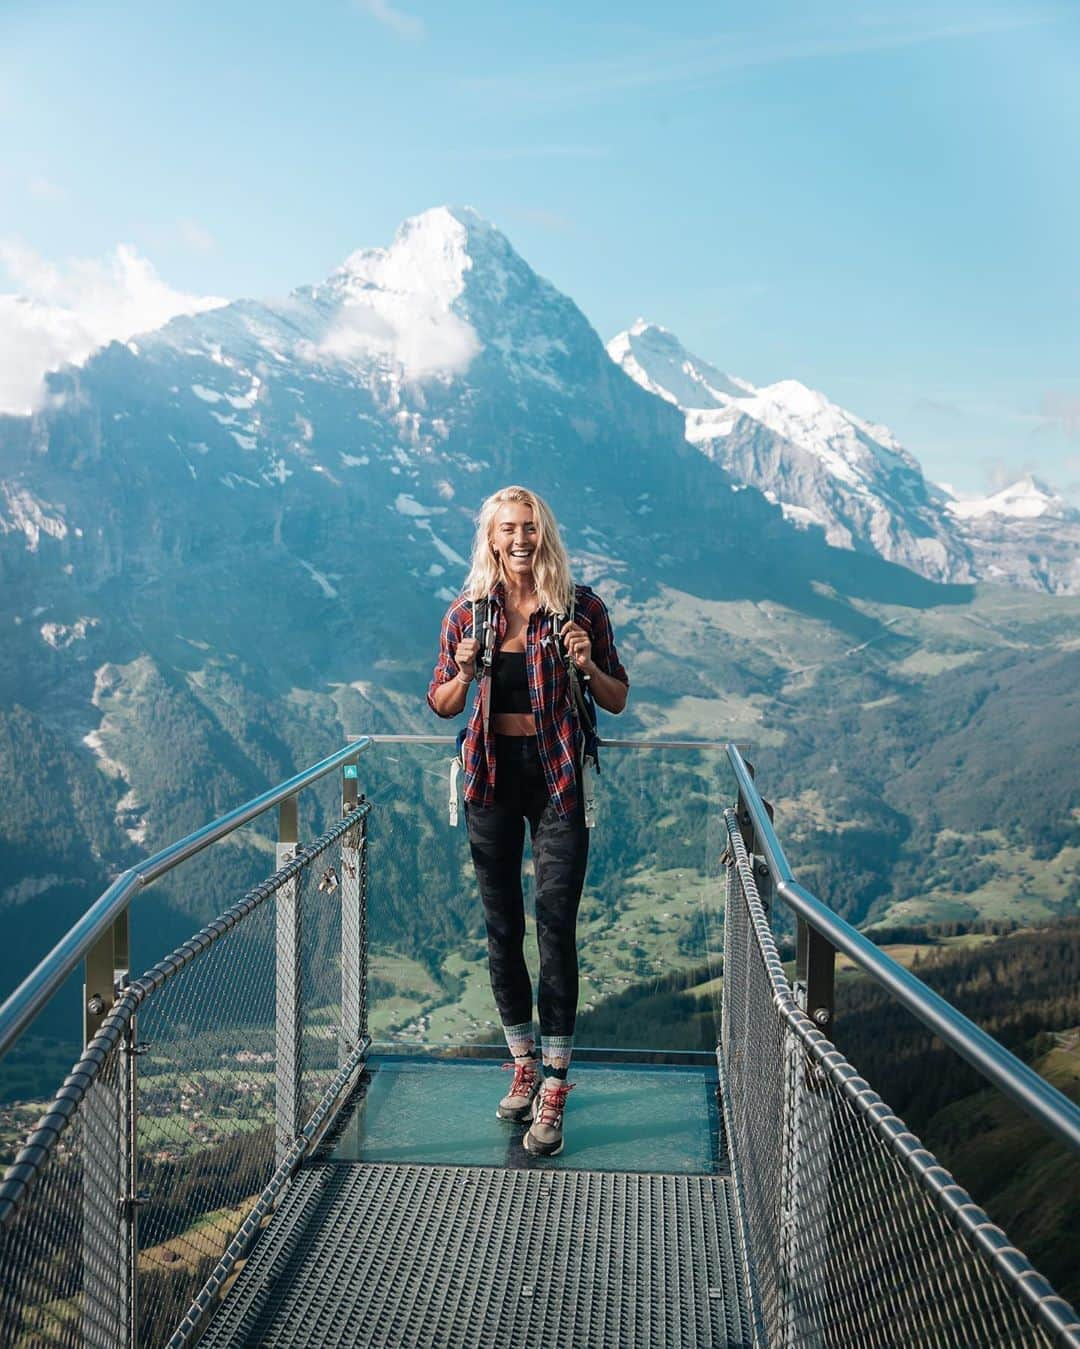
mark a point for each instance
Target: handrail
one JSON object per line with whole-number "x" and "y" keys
{"x": 605, "y": 743}
{"x": 38, "y": 987}
{"x": 1044, "y": 1103}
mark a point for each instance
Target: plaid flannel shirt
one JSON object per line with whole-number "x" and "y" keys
{"x": 549, "y": 692}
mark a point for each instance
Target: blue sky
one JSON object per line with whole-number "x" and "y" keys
{"x": 878, "y": 199}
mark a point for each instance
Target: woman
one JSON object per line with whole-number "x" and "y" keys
{"x": 522, "y": 758}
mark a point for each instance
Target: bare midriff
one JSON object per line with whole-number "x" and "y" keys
{"x": 513, "y": 723}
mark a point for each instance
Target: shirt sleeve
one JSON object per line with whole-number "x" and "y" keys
{"x": 445, "y": 666}
{"x": 604, "y": 652}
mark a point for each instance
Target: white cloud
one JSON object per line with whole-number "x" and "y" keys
{"x": 404, "y": 25}
{"x": 422, "y": 337}
{"x": 61, "y": 313}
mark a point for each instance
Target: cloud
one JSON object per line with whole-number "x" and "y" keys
{"x": 404, "y": 25}
{"x": 422, "y": 337}
{"x": 62, "y": 313}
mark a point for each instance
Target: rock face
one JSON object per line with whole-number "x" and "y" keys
{"x": 828, "y": 468}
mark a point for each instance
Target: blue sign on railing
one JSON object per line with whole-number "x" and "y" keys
{"x": 351, "y": 770}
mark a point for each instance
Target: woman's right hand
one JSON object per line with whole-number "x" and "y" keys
{"x": 465, "y": 656}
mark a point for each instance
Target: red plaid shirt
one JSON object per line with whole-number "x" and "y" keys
{"x": 549, "y": 692}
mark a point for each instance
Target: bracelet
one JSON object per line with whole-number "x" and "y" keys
{"x": 466, "y": 682}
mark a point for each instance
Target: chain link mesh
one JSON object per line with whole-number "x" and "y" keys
{"x": 856, "y": 1235}
{"x": 61, "y": 1278}
{"x": 206, "y": 1113}
{"x": 201, "y": 1032}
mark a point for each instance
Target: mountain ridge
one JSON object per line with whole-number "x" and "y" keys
{"x": 831, "y": 469}
{"x": 232, "y": 545}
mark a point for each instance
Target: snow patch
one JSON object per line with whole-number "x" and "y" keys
{"x": 276, "y": 470}
{"x": 61, "y": 635}
{"x": 407, "y": 505}
{"x": 26, "y": 513}
{"x": 441, "y": 547}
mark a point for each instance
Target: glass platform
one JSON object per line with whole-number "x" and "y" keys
{"x": 639, "y": 1117}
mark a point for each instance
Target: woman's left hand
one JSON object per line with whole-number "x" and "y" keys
{"x": 577, "y": 642}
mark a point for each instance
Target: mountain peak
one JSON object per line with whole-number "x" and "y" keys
{"x": 430, "y": 253}
{"x": 658, "y": 361}
{"x": 1026, "y": 499}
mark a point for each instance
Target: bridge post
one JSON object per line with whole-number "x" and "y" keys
{"x": 109, "y": 1230}
{"x": 815, "y": 975}
{"x": 289, "y": 993}
{"x": 354, "y": 953}
{"x": 762, "y": 875}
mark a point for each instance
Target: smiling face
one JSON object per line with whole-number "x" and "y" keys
{"x": 514, "y": 539}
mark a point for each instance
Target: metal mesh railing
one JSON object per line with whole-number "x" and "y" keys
{"x": 133, "y": 1185}
{"x": 856, "y": 1235}
{"x": 45, "y": 1296}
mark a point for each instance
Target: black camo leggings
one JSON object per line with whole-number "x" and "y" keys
{"x": 560, "y": 854}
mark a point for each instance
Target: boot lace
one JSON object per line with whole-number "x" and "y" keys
{"x": 524, "y": 1078}
{"x": 552, "y": 1103}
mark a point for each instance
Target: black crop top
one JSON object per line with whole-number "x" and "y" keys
{"x": 509, "y": 683}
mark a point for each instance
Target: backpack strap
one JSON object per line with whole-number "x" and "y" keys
{"x": 582, "y": 698}
{"x": 484, "y": 631}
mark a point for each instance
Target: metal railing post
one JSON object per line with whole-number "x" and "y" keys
{"x": 289, "y": 996}
{"x": 108, "y": 1244}
{"x": 129, "y": 1109}
{"x": 762, "y": 874}
{"x": 353, "y": 921}
{"x": 815, "y": 975}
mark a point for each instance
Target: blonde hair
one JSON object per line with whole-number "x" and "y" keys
{"x": 551, "y": 566}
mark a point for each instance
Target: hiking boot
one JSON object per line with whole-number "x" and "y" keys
{"x": 545, "y": 1136}
{"x": 517, "y": 1104}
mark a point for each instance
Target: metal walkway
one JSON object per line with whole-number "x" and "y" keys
{"x": 365, "y": 1254}
{"x": 369, "y": 1249}
{"x": 230, "y": 1160}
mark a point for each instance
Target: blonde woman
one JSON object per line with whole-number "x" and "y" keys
{"x": 522, "y": 756}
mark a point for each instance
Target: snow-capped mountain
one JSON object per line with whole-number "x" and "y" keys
{"x": 1024, "y": 534}
{"x": 827, "y": 467}
{"x": 658, "y": 361}
{"x": 1027, "y": 499}
{"x": 226, "y": 543}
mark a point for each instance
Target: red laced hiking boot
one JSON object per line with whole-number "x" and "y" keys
{"x": 545, "y": 1136}
{"x": 517, "y": 1104}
